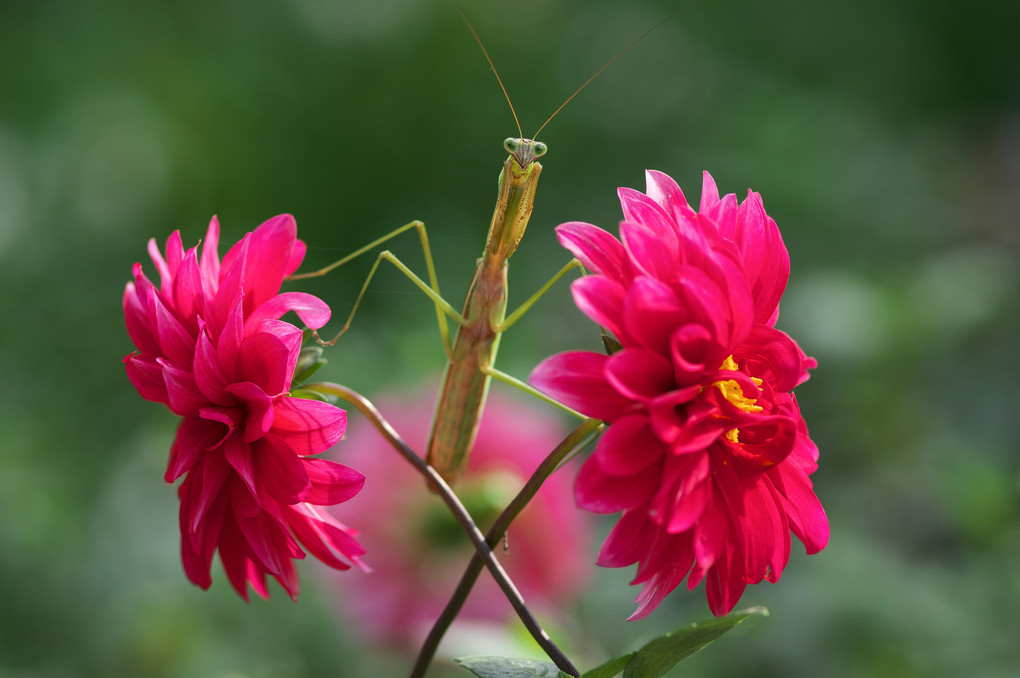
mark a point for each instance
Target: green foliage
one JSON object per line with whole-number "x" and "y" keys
{"x": 610, "y": 668}
{"x": 503, "y": 667}
{"x": 654, "y": 660}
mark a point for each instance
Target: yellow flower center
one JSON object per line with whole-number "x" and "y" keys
{"x": 731, "y": 391}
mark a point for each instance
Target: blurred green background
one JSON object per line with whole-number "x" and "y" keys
{"x": 884, "y": 138}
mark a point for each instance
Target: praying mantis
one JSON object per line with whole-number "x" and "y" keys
{"x": 483, "y": 317}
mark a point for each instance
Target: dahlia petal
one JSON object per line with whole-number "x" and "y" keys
{"x": 228, "y": 342}
{"x": 137, "y": 316}
{"x": 628, "y": 541}
{"x": 652, "y": 248}
{"x": 322, "y": 535}
{"x": 577, "y": 379}
{"x": 260, "y": 411}
{"x": 146, "y": 376}
{"x": 265, "y": 536}
{"x": 693, "y": 351}
{"x": 175, "y": 343}
{"x": 762, "y": 529}
{"x": 183, "y": 395}
{"x": 596, "y": 249}
{"x": 269, "y": 355}
{"x": 778, "y": 353}
{"x": 803, "y": 509}
{"x": 174, "y": 255}
{"x": 601, "y": 299}
{"x": 653, "y": 593}
{"x": 601, "y": 492}
{"x": 639, "y": 208}
{"x": 684, "y": 425}
{"x": 210, "y": 261}
{"x": 282, "y": 471}
{"x": 209, "y": 377}
{"x": 202, "y": 488}
{"x": 639, "y": 373}
{"x": 165, "y": 276}
{"x": 231, "y": 287}
{"x": 239, "y": 455}
{"x": 709, "y": 192}
{"x": 198, "y": 545}
{"x": 628, "y": 446}
{"x": 188, "y": 296}
{"x": 766, "y": 260}
{"x": 269, "y": 258}
{"x": 724, "y": 589}
{"x": 667, "y": 194}
{"x": 234, "y": 555}
{"x": 651, "y": 313}
{"x": 194, "y": 436}
{"x": 308, "y": 426}
{"x": 312, "y": 311}
{"x": 332, "y": 483}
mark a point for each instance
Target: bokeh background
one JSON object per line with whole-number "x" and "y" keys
{"x": 884, "y": 137}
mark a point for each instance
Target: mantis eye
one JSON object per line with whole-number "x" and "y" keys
{"x": 539, "y": 149}
{"x": 511, "y": 145}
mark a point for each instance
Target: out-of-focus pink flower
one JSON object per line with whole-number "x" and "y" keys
{"x": 419, "y": 550}
{"x": 212, "y": 348}
{"x": 707, "y": 454}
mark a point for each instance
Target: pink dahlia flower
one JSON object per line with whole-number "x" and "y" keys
{"x": 706, "y": 452}
{"x": 212, "y": 348}
{"x": 419, "y": 559}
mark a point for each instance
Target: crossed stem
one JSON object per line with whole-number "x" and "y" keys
{"x": 574, "y": 440}
{"x": 483, "y": 551}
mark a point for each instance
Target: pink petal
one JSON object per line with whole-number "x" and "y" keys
{"x": 175, "y": 342}
{"x": 601, "y": 299}
{"x": 146, "y": 375}
{"x": 332, "y": 483}
{"x": 194, "y": 437}
{"x": 282, "y": 471}
{"x": 601, "y": 492}
{"x": 628, "y": 446}
{"x": 639, "y": 373}
{"x": 239, "y": 455}
{"x": 652, "y": 248}
{"x": 259, "y": 416}
{"x": 312, "y": 311}
{"x": 308, "y": 426}
{"x": 268, "y": 357}
{"x": 577, "y": 379}
{"x": 210, "y": 262}
{"x": 209, "y": 377}
{"x": 651, "y": 313}
{"x": 184, "y": 397}
{"x": 629, "y": 540}
{"x": 596, "y": 249}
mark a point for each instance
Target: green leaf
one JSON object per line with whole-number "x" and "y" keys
{"x": 655, "y": 659}
{"x": 610, "y": 668}
{"x": 505, "y": 667}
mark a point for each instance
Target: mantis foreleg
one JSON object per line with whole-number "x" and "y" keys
{"x": 431, "y": 289}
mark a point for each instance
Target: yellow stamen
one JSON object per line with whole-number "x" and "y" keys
{"x": 731, "y": 391}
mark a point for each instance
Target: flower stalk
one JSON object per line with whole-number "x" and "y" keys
{"x": 575, "y": 440}
{"x": 483, "y": 550}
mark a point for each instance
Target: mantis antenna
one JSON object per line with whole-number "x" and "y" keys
{"x": 576, "y": 92}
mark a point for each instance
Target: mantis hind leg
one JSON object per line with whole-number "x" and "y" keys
{"x": 431, "y": 288}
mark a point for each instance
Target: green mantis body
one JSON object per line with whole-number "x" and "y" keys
{"x": 466, "y": 380}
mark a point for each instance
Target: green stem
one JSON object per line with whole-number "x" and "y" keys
{"x": 496, "y": 532}
{"x": 482, "y": 549}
